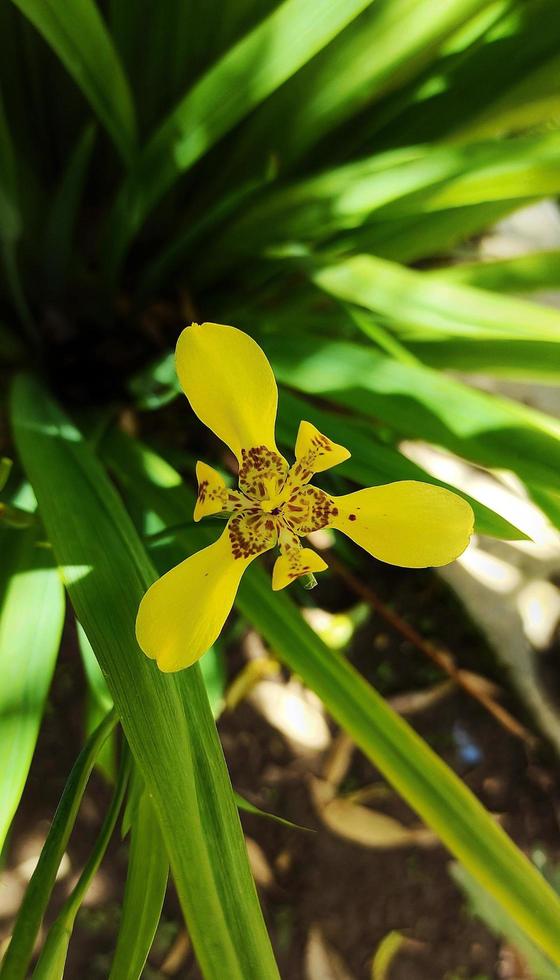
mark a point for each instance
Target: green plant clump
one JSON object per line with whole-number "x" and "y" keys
{"x": 312, "y": 172}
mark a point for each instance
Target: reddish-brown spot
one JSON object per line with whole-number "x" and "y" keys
{"x": 351, "y": 517}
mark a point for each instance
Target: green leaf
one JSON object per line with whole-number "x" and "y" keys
{"x": 166, "y": 718}
{"x": 80, "y": 38}
{"x": 11, "y": 220}
{"x": 99, "y": 702}
{"x": 423, "y": 404}
{"x": 257, "y": 65}
{"x": 422, "y": 778}
{"x": 31, "y": 619}
{"x": 32, "y": 909}
{"x": 420, "y": 306}
{"x": 244, "y": 804}
{"x": 523, "y": 360}
{"x": 10, "y": 216}
{"x": 55, "y": 950}
{"x": 59, "y": 231}
{"x": 497, "y": 919}
{"x": 146, "y": 884}
{"x": 400, "y": 184}
{"x": 521, "y": 274}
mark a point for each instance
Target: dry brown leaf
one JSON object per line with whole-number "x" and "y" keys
{"x": 176, "y": 956}
{"x": 339, "y": 757}
{"x": 363, "y": 826}
{"x": 411, "y": 702}
{"x": 250, "y": 675}
{"x": 262, "y": 872}
{"x": 322, "y": 962}
{"x": 295, "y": 712}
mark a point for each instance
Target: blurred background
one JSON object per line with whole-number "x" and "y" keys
{"x": 369, "y": 189}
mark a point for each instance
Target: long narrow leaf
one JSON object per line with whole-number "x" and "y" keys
{"x": 80, "y": 38}
{"x": 246, "y": 75}
{"x": 53, "y": 955}
{"x": 166, "y": 718}
{"x": 61, "y": 223}
{"x": 32, "y": 909}
{"x": 421, "y": 306}
{"x": 146, "y": 883}
{"x": 31, "y": 618}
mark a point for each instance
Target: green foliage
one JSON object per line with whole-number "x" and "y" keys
{"x": 31, "y": 617}
{"x": 279, "y": 166}
{"x": 155, "y": 493}
{"x": 164, "y": 717}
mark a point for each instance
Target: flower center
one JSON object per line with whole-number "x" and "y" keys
{"x": 272, "y": 505}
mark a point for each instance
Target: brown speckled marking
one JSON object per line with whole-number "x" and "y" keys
{"x": 290, "y": 547}
{"x": 222, "y": 497}
{"x": 272, "y": 506}
{"x": 351, "y": 517}
{"x": 308, "y": 509}
{"x": 250, "y": 534}
{"x": 262, "y": 473}
{"x": 304, "y": 468}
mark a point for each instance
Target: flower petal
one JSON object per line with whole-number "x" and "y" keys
{"x": 229, "y": 383}
{"x": 262, "y": 473}
{"x": 309, "y": 509}
{"x": 213, "y": 495}
{"x": 182, "y": 614}
{"x": 415, "y": 525}
{"x": 314, "y": 453}
{"x": 294, "y": 561}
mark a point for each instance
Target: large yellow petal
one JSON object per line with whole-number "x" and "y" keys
{"x": 412, "y": 524}
{"x": 229, "y": 383}
{"x": 182, "y": 613}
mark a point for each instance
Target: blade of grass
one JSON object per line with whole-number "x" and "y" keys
{"x": 99, "y": 702}
{"x": 31, "y": 619}
{"x": 521, "y": 274}
{"x": 166, "y": 718}
{"x": 406, "y": 182}
{"x": 63, "y": 213}
{"x": 11, "y": 222}
{"x": 16, "y": 961}
{"x": 78, "y": 35}
{"x": 420, "y": 306}
{"x": 146, "y": 883}
{"x": 484, "y": 907}
{"x": 523, "y": 360}
{"x": 53, "y": 954}
{"x": 422, "y": 778}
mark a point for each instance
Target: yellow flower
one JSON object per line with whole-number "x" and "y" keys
{"x": 230, "y": 385}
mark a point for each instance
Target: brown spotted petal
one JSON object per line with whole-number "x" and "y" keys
{"x": 214, "y": 497}
{"x": 252, "y": 532}
{"x": 315, "y": 453}
{"x": 294, "y": 561}
{"x": 262, "y": 473}
{"x": 309, "y": 509}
